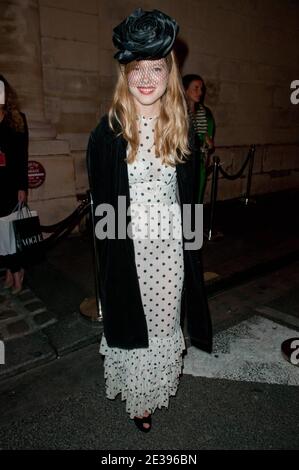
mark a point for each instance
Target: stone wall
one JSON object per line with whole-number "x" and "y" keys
{"x": 246, "y": 51}
{"x": 275, "y": 168}
{"x": 70, "y": 56}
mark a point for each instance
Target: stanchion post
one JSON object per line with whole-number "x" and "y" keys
{"x": 96, "y": 259}
{"x": 249, "y": 176}
{"x": 216, "y": 161}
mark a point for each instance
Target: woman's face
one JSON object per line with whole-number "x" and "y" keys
{"x": 194, "y": 91}
{"x": 147, "y": 81}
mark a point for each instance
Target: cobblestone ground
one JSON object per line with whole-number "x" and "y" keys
{"x": 21, "y": 314}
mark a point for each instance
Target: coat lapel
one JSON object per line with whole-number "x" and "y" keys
{"x": 123, "y": 177}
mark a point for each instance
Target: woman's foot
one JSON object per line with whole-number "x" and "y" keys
{"x": 18, "y": 282}
{"x": 144, "y": 423}
{"x": 9, "y": 280}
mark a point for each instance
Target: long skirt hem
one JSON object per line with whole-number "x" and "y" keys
{"x": 146, "y": 377}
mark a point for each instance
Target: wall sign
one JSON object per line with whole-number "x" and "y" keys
{"x": 36, "y": 174}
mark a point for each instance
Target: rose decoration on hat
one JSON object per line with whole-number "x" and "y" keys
{"x": 144, "y": 35}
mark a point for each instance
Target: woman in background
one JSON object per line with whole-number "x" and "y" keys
{"x": 13, "y": 173}
{"x": 203, "y": 122}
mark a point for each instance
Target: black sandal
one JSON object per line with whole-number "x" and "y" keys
{"x": 141, "y": 421}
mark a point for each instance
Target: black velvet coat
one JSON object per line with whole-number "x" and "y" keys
{"x": 123, "y": 315}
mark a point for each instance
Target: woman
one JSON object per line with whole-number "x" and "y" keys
{"x": 143, "y": 153}
{"x": 13, "y": 173}
{"x": 202, "y": 120}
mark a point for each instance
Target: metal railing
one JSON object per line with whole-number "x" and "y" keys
{"x": 216, "y": 168}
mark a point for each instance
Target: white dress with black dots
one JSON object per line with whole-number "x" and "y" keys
{"x": 147, "y": 377}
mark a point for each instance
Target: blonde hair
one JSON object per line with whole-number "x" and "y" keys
{"x": 11, "y": 108}
{"x": 172, "y": 125}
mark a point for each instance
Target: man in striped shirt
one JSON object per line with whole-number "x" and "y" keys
{"x": 202, "y": 120}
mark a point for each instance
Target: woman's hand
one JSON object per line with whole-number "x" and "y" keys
{"x": 209, "y": 142}
{"x": 22, "y": 197}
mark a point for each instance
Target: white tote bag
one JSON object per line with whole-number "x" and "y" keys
{"x": 7, "y": 235}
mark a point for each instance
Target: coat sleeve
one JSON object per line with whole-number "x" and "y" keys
{"x": 91, "y": 159}
{"x": 95, "y": 157}
{"x": 21, "y": 143}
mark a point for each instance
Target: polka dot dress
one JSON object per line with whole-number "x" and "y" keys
{"x": 147, "y": 377}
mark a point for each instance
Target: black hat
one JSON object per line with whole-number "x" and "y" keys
{"x": 144, "y": 35}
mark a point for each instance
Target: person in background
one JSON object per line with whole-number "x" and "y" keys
{"x": 203, "y": 123}
{"x": 13, "y": 173}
